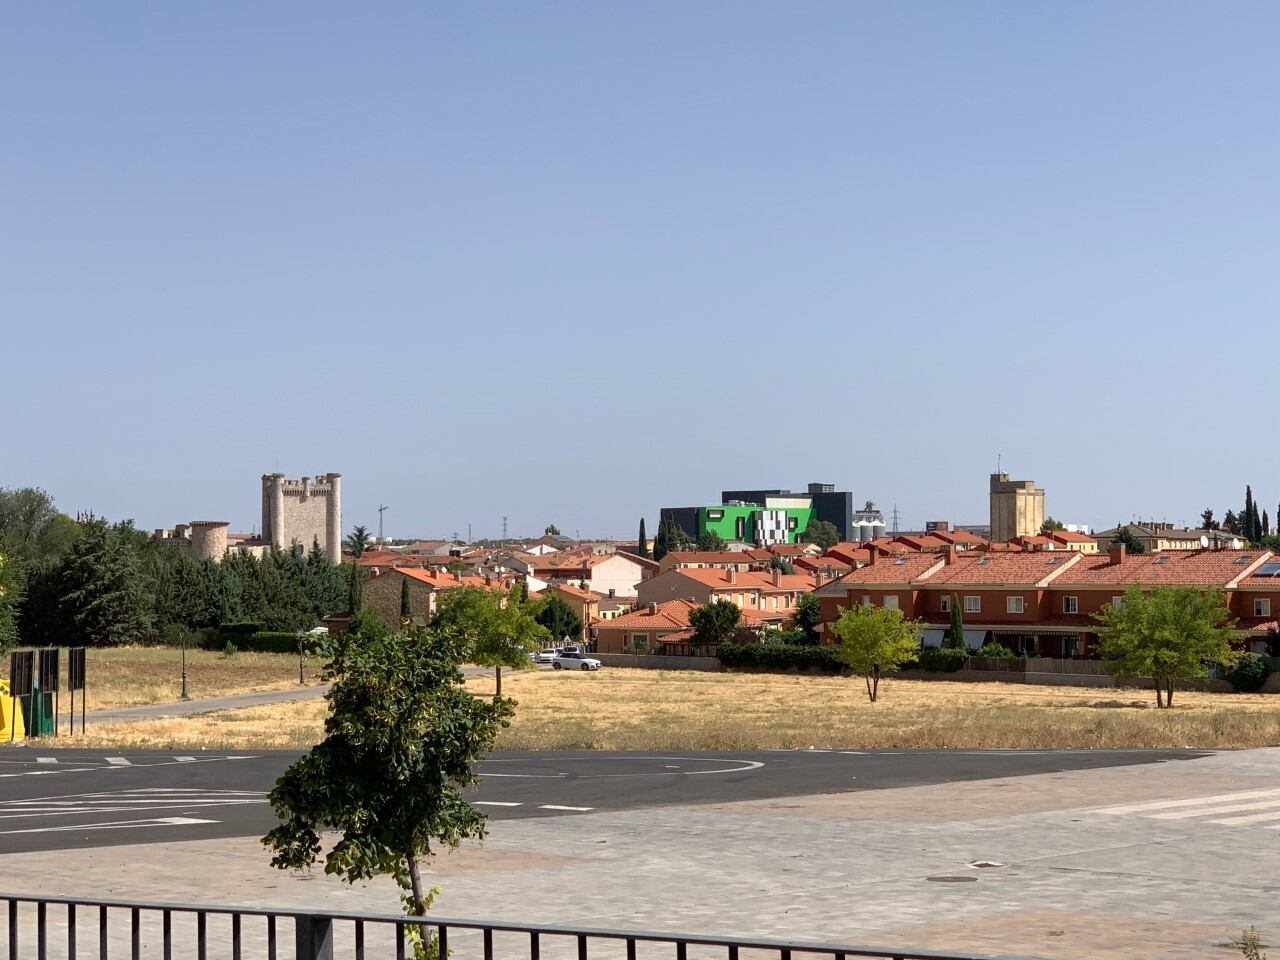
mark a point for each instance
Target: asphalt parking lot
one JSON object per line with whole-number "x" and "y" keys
{"x": 55, "y": 799}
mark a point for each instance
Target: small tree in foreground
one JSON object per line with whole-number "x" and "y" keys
{"x": 875, "y": 640}
{"x": 1171, "y": 633}
{"x": 400, "y": 740}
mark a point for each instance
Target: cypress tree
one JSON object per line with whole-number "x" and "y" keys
{"x": 642, "y": 546}
{"x": 355, "y": 590}
{"x": 955, "y": 632}
{"x": 406, "y": 605}
{"x": 1249, "y": 516}
{"x": 1266, "y": 524}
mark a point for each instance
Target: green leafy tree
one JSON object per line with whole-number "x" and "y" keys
{"x": 1231, "y": 523}
{"x": 558, "y": 618}
{"x": 781, "y": 564}
{"x": 401, "y": 740}
{"x": 522, "y": 590}
{"x": 954, "y": 640}
{"x": 1207, "y": 522}
{"x": 711, "y": 541}
{"x": 714, "y": 623}
{"x": 821, "y": 532}
{"x": 102, "y": 583}
{"x": 642, "y": 543}
{"x": 808, "y": 615}
{"x": 1169, "y": 634}
{"x": 1050, "y": 525}
{"x": 31, "y": 528}
{"x": 875, "y": 640}
{"x": 1131, "y": 544}
{"x": 491, "y": 628}
{"x": 357, "y": 541}
{"x": 551, "y": 530}
{"x": 10, "y": 598}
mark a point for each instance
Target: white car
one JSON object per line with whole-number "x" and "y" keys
{"x": 545, "y": 656}
{"x": 572, "y": 660}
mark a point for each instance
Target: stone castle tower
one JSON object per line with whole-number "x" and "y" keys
{"x": 208, "y": 539}
{"x": 303, "y": 510}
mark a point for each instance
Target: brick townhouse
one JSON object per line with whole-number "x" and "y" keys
{"x": 760, "y": 591}
{"x": 1044, "y": 602}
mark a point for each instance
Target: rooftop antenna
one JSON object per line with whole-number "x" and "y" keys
{"x": 998, "y": 462}
{"x": 381, "y": 511}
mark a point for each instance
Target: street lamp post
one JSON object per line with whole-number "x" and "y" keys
{"x": 185, "y": 695}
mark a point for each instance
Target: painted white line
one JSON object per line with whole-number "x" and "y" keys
{"x": 46, "y": 759}
{"x": 556, "y": 806}
{"x": 496, "y": 803}
{"x": 185, "y": 759}
{"x": 1190, "y": 801}
{"x": 1217, "y": 808}
{"x": 119, "y": 762}
{"x": 118, "y": 825}
{"x": 1251, "y": 818}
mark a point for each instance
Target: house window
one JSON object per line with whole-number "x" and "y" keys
{"x": 1070, "y": 604}
{"x": 866, "y": 599}
{"x": 1261, "y": 607}
{"x": 1117, "y": 602}
{"x": 944, "y": 603}
{"x": 972, "y": 604}
{"x": 891, "y": 601}
{"x": 1014, "y": 605}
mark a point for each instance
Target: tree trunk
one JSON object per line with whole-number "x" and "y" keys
{"x": 419, "y": 905}
{"x": 497, "y": 674}
{"x": 870, "y": 696}
{"x": 875, "y": 682}
{"x": 1159, "y": 692}
{"x": 1168, "y": 693}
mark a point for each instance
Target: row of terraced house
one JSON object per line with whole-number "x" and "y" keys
{"x": 1044, "y": 602}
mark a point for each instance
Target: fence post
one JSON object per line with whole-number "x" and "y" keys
{"x": 313, "y": 937}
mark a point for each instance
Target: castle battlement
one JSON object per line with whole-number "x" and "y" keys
{"x": 303, "y": 510}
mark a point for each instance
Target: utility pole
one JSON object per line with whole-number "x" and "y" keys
{"x": 504, "y": 528}
{"x": 381, "y": 511}
{"x": 895, "y": 515}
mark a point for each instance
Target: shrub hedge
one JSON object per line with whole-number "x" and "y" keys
{"x": 1249, "y": 673}
{"x": 779, "y": 656}
{"x": 259, "y": 641}
{"x": 943, "y": 659}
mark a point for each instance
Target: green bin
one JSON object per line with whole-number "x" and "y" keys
{"x": 37, "y": 712}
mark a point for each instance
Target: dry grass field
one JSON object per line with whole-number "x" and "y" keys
{"x": 622, "y": 709}
{"x": 130, "y": 676}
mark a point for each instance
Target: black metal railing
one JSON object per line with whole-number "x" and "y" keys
{"x": 41, "y": 927}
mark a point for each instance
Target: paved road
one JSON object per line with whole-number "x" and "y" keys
{"x": 58, "y": 799}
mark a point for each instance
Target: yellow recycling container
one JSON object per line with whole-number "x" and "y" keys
{"x": 11, "y": 725}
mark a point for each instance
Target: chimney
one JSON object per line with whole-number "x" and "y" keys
{"x": 1116, "y": 553}
{"x": 457, "y": 576}
{"x": 731, "y": 575}
{"x": 488, "y": 580}
{"x": 777, "y": 577}
{"x": 817, "y": 579}
{"x": 952, "y": 550}
{"x": 874, "y": 554}
{"x": 653, "y": 609}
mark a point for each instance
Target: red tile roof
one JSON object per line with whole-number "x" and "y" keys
{"x": 904, "y": 569}
{"x": 712, "y": 556}
{"x": 671, "y": 615}
{"x": 1023, "y": 569}
{"x": 718, "y": 579}
{"x": 443, "y": 581}
{"x": 1201, "y": 568}
{"x": 1070, "y": 536}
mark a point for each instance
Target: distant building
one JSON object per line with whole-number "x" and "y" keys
{"x": 1017, "y": 508}
{"x": 1160, "y": 535}
{"x": 764, "y": 517}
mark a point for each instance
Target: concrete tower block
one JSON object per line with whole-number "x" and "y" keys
{"x": 209, "y": 539}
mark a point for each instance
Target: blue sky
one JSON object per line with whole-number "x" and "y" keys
{"x": 574, "y": 261}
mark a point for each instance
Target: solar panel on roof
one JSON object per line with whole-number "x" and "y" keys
{"x": 1270, "y": 569}
{"x": 1241, "y": 561}
{"x": 1162, "y": 559}
{"x": 984, "y": 561}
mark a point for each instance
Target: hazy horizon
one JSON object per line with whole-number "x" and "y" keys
{"x": 572, "y": 263}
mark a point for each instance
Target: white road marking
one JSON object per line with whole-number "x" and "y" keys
{"x": 1217, "y": 808}
{"x": 496, "y": 803}
{"x": 184, "y": 759}
{"x": 743, "y": 765}
{"x": 556, "y": 806}
{"x": 148, "y": 799}
{"x": 1252, "y": 818}
{"x": 119, "y": 762}
{"x": 117, "y": 825}
{"x": 1190, "y": 801}
{"x": 46, "y": 759}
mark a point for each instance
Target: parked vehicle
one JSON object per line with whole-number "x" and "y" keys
{"x": 545, "y": 656}
{"x": 573, "y": 660}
